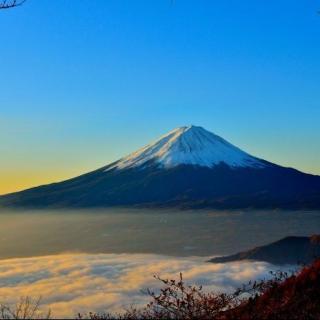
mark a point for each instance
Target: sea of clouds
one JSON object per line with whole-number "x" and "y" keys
{"x": 73, "y": 283}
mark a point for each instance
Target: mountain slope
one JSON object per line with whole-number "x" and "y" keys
{"x": 289, "y": 250}
{"x": 295, "y": 297}
{"x": 190, "y": 168}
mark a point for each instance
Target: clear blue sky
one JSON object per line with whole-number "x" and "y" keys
{"x": 85, "y": 82}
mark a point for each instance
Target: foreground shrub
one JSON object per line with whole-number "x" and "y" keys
{"x": 176, "y": 300}
{"x": 26, "y": 308}
{"x": 285, "y": 296}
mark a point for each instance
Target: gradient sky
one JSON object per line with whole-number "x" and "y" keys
{"x": 85, "y": 82}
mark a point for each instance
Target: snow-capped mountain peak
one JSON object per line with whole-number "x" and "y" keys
{"x": 189, "y": 145}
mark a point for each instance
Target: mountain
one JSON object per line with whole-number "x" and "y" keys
{"x": 188, "y": 168}
{"x": 289, "y": 250}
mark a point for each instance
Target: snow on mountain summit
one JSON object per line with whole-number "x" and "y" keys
{"x": 189, "y": 145}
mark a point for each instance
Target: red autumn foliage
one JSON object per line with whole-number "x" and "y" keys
{"x": 296, "y": 297}
{"x": 284, "y": 297}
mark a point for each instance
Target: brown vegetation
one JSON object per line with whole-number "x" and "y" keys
{"x": 26, "y": 308}
{"x": 285, "y": 296}
{"x": 295, "y": 296}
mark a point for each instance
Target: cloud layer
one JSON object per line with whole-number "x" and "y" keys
{"x": 76, "y": 283}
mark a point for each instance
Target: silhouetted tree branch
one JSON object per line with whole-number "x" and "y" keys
{"x": 5, "y": 4}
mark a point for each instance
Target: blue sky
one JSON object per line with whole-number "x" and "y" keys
{"x": 85, "y": 82}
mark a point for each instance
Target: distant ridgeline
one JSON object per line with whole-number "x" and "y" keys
{"x": 187, "y": 168}
{"x": 290, "y": 250}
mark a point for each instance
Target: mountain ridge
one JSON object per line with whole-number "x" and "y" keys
{"x": 298, "y": 250}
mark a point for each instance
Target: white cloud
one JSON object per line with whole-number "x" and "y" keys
{"x": 75, "y": 283}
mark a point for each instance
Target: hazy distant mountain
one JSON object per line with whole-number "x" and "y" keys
{"x": 188, "y": 167}
{"x": 290, "y": 250}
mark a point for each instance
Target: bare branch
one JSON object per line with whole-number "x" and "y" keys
{"x": 5, "y": 4}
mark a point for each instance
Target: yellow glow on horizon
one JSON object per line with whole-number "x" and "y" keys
{"x": 14, "y": 181}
